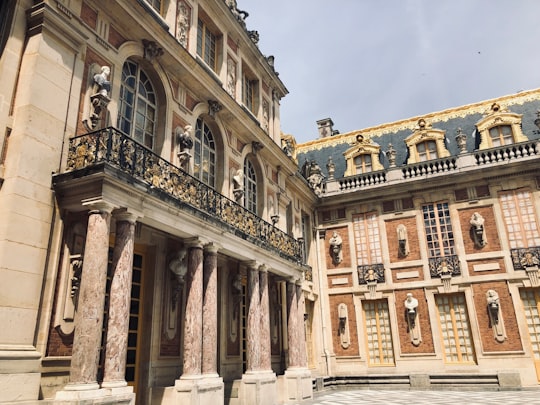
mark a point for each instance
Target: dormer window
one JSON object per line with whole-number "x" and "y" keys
{"x": 427, "y": 150}
{"x": 501, "y": 135}
{"x": 362, "y": 157}
{"x": 499, "y": 127}
{"x": 426, "y": 143}
{"x": 362, "y": 164}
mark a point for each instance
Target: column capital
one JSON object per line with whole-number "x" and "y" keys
{"x": 263, "y": 268}
{"x": 211, "y": 247}
{"x": 193, "y": 243}
{"x": 127, "y": 215}
{"x": 98, "y": 204}
{"x": 293, "y": 280}
{"x": 251, "y": 264}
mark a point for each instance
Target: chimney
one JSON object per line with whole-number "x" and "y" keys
{"x": 325, "y": 127}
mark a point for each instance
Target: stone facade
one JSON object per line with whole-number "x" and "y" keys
{"x": 160, "y": 245}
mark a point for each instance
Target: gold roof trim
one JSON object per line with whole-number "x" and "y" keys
{"x": 411, "y": 123}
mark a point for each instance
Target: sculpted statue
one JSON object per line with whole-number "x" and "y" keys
{"x": 411, "y": 304}
{"x": 313, "y": 174}
{"x": 102, "y": 85}
{"x": 185, "y": 143}
{"x": 335, "y": 248}
{"x": 403, "y": 242}
{"x": 477, "y": 230}
{"x": 238, "y": 186}
{"x": 493, "y": 305}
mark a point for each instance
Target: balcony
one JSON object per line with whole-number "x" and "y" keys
{"x": 137, "y": 164}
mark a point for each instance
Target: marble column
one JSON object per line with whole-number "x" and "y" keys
{"x": 209, "y": 311}
{"x": 193, "y": 329}
{"x": 265, "y": 343}
{"x": 253, "y": 328}
{"x": 292, "y": 325}
{"x": 302, "y": 350}
{"x": 119, "y": 302}
{"x": 89, "y": 318}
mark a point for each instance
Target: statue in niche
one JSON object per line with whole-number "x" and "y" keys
{"x": 185, "y": 144}
{"x": 99, "y": 99}
{"x": 477, "y": 230}
{"x": 236, "y": 296}
{"x": 231, "y": 77}
{"x": 335, "y": 248}
{"x": 411, "y": 304}
{"x": 493, "y": 305}
{"x": 403, "y": 241}
{"x": 238, "y": 186}
{"x": 178, "y": 266}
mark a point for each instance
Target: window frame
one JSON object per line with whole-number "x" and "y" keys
{"x": 498, "y": 116}
{"x": 204, "y": 145}
{"x": 250, "y": 186}
{"x": 130, "y": 118}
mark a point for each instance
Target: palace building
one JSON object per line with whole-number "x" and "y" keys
{"x": 163, "y": 242}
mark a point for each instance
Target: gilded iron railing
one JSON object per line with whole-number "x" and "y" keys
{"x": 370, "y": 273}
{"x": 522, "y": 258}
{"x": 444, "y": 266}
{"x": 113, "y": 147}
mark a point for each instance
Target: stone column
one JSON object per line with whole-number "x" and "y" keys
{"x": 292, "y": 325}
{"x": 119, "y": 302}
{"x": 89, "y": 317}
{"x": 210, "y": 310}
{"x": 265, "y": 343}
{"x": 302, "y": 351}
{"x": 193, "y": 329}
{"x": 253, "y": 328}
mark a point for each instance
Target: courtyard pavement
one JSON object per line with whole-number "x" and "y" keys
{"x": 372, "y": 397}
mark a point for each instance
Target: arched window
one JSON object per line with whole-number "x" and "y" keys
{"x": 427, "y": 150}
{"x": 204, "y": 154}
{"x": 137, "y": 106}
{"x": 250, "y": 187}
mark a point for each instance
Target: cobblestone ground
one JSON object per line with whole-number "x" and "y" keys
{"x": 531, "y": 397}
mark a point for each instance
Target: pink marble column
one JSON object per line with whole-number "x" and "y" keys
{"x": 292, "y": 325}
{"x": 253, "y": 328}
{"x": 89, "y": 317}
{"x": 210, "y": 310}
{"x": 193, "y": 329}
{"x": 119, "y": 302}
{"x": 302, "y": 351}
{"x": 266, "y": 352}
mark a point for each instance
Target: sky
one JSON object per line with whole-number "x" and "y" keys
{"x": 368, "y": 62}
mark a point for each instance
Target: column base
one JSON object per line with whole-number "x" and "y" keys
{"x": 295, "y": 385}
{"x": 19, "y": 373}
{"x": 87, "y": 394}
{"x": 258, "y": 388}
{"x": 199, "y": 390}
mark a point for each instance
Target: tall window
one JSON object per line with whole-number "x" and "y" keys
{"x": 204, "y": 154}
{"x": 439, "y": 234}
{"x": 367, "y": 238}
{"x": 427, "y": 150}
{"x": 520, "y": 219}
{"x": 378, "y": 333}
{"x": 531, "y": 309}
{"x": 206, "y": 44}
{"x": 137, "y": 106}
{"x": 249, "y": 92}
{"x": 156, "y": 4}
{"x": 455, "y": 331}
{"x": 362, "y": 164}
{"x": 501, "y": 135}
{"x": 250, "y": 187}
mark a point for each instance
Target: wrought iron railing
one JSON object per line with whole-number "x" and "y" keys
{"x": 523, "y": 258}
{"x": 371, "y": 273}
{"x": 444, "y": 266}
{"x": 113, "y": 147}
{"x": 506, "y": 153}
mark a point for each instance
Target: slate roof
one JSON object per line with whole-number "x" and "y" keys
{"x": 526, "y": 103}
